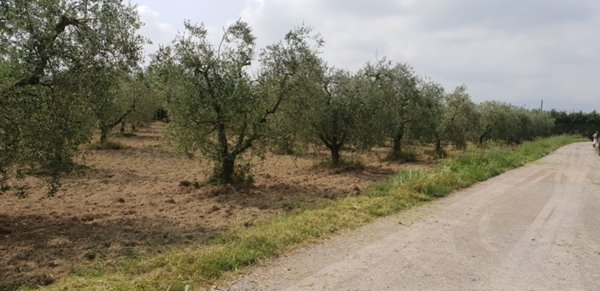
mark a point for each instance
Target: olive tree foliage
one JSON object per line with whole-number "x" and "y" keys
{"x": 432, "y": 118}
{"x": 538, "y": 124}
{"x": 289, "y": 131}
{"x": 108, "y": 104}
{"x": 49, "y": 48}
{"x": 339, "y": 112}
{"x": 504, "y": 122}
{"x": 144, "y": 98}
{"x": 286, "y": 131}
{"x": 117, "y": 97}
{"x": 499, "y": 121}
{"x": 290, "y": 128}
{"x": 446, "y": 117}
{"x": 460, "y": 118}
{"x": 215, "y": 104}
{"x": 398, "y": 99}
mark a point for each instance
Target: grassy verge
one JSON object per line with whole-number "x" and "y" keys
{"x": 204, "y": 264}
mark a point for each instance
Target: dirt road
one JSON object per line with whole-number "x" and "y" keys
{"x": 533, "y": 228}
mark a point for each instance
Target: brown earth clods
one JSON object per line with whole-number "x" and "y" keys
{"x": 144, "y": 198}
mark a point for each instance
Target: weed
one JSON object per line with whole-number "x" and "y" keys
{"x": 342, "y": 165}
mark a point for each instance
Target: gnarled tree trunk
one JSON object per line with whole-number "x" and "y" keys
{"x": 335, "y": 154}
{"x": 397, "y": 145}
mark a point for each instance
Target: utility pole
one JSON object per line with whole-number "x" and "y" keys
{"x": 542, "y": 105}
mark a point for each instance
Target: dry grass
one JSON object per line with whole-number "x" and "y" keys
{"x": 201, "y": 265}
{"x": 143, "y": 200}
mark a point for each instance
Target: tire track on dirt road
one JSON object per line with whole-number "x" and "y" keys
{"x": 533, "y": 228}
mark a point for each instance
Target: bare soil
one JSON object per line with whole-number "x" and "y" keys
{"x": 144, "y": 198}
{"x": 532, "y": 228}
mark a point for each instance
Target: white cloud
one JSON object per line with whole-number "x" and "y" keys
{"x": 508, "y": 50}
{"x": 146, "y": 12}
{"x": 514, "y": 51}
{"x": 157, "y": 31}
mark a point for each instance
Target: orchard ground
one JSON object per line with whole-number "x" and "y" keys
{"x": 145, "y": 199}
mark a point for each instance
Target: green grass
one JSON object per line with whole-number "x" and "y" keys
{"x": 343, "y": 166}
{"x": 205, "y": 264}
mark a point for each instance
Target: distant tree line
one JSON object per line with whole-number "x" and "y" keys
{"x": 575, "y": 122}
{"x": 72, "y": 69}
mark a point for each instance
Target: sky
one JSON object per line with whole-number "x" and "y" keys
{"x": 515, "y": 51}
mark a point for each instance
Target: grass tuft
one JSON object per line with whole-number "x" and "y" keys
{"x": 342, "y": 165}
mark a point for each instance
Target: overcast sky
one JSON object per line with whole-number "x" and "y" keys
{"x": 518, "y": 52}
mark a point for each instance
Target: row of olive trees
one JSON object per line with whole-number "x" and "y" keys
{"x": 222, "y": 101}
{"x": 67, "y": 68}
{"x": 222, "y": 104}
{"x": 386, "y": 103}
{"x": 71, "y": 67}
{"x": 456, "y": 120}
{"x": 504, "y": 122}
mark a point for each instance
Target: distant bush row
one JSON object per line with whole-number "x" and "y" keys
{"x": 575, "y": 122}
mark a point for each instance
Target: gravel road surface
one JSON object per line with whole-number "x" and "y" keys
{"x": 533, "y": 228}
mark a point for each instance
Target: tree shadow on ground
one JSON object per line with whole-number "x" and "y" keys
{"x": 277, "y": 196}
{"x": 287, "y": 196}
{"x": 36, "y": 250}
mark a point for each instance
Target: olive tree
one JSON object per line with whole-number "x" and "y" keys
{"x": 117, "y": 97}
{"x": 48, "y": 50}
{"x": 147, "y": 102}
{"x": 504, "y": 122}
{"x": 339, "y": 114}
{"x": 499, "y": 121}
{"x": 431, "y": 125}
{"x": 398, "y": 99}
{"x": 108, "y": 104}
{"x": 215, "y": 104}
{"x": 446, "y": 117}
{"x": 460, "y": 118}
{"x": 538, "y": 124}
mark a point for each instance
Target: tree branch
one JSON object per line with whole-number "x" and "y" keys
{"x": 38, "y": 72}
{"x": 327, "y": 143}
{"x": 248, "y": 143}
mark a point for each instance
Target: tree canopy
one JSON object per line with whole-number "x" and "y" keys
{"x": 217, "y": 106}
{"x": 49, "y": 50}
